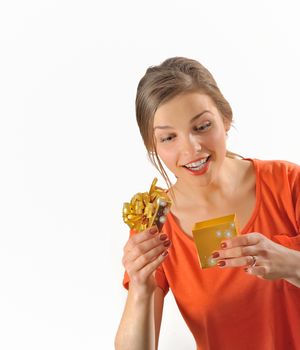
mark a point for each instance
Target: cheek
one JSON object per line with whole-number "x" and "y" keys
{"x": 217, "y": 139}
{"x": 167, "y": 155}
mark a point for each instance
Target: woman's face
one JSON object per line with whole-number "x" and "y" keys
{"x": 190, "y": 137}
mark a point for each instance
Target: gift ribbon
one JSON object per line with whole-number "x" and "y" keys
{"x": 139, "y": 212}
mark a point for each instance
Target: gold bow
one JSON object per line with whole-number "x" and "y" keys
{"x": 139, "y": 213}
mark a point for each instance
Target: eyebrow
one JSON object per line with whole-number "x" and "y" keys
{"x": 162, "y": 127}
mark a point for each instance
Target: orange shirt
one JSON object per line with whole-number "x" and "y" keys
{"x": 228, "y": 309}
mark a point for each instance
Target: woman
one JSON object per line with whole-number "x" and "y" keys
{"x": 251, "y": 300}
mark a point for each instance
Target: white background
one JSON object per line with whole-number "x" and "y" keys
{"x": 71, "y": 153}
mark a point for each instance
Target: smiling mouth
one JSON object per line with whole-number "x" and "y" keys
{"x": 195, "y": 166}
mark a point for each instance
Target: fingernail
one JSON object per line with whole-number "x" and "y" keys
{"x": 167, "y": 243}
{"x": 153, "y": 230}
{"x": 163, "y": 237}
{"x": 223, "y": 245}
{"x": 221, "y": 263}
{"x": 215, "y": 255}
{"x": 165, "y": 253}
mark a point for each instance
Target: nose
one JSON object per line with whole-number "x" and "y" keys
{"x": 191, "y": 145}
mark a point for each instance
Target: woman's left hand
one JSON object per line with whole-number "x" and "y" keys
{"x": 259, "y": 256}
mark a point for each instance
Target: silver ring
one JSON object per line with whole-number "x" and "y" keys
{"x": 254, "y": 261}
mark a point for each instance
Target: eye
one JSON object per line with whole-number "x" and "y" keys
{"x": 167, "y": 138}
{"x": 203, "y": 127}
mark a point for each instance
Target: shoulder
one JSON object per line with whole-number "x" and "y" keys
{"x": 275, "y": 166}
{"x": 277, "y": 172}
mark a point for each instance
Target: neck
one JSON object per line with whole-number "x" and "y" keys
{"x": 223, "y": 186}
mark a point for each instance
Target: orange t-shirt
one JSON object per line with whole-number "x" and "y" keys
{"x": 228, "y": 309}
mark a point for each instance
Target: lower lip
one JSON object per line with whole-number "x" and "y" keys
{"x": 201, "y": 171}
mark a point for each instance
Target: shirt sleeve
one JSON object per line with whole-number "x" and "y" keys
{"x": 293, "y": 242}
{"x": 160, "y": 276}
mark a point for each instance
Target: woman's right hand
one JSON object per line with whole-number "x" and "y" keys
{"x": 143, "y": 253}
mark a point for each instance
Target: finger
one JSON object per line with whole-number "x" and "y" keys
{"x": 151, "y": 267}
{"x": 151, "y": 255}
{"x": 144, "y": 273}
{"x": 142, "y": 248}
{"x": 236, "y": 262}
{"x": 235, "y": 252}
{"x": 242, "y": 240}
{"x": 140, "y": 237}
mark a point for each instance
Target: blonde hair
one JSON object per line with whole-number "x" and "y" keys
{"x": 160, "y": 84}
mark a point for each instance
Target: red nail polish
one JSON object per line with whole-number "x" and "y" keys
{"x": 163, "y": 237}
{"x": 221, "y": 263}
{"x": 165, "y": 253}
{"x": 223, "y": 245}
{"x": 152, "y": 230}
{"x": 215, "y": 255}
{"x": 167, "y": 243}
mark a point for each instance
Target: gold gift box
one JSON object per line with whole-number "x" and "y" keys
{"x": 209, "y": 234}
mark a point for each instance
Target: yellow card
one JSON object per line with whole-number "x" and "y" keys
{"x": 209, "y": 234}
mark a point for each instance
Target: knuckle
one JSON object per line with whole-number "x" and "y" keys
{"x": 258, "y": 237}
{"x": 263, "y": 249}
{"x": 262, "y": 245}
{"x": 245, "y": 251}
{"x": 139, "y": 250}
{"x": 158, "y": 248}
{"x": 143, "y": 259}
{"x": 248, "y": 240}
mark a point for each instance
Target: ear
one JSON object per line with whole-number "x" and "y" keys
{"x": 227, "y": 125}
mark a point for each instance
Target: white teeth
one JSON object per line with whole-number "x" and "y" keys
{"x": 196, "y": 164}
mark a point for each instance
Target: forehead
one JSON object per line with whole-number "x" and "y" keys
{"x": 183, "y": 106}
